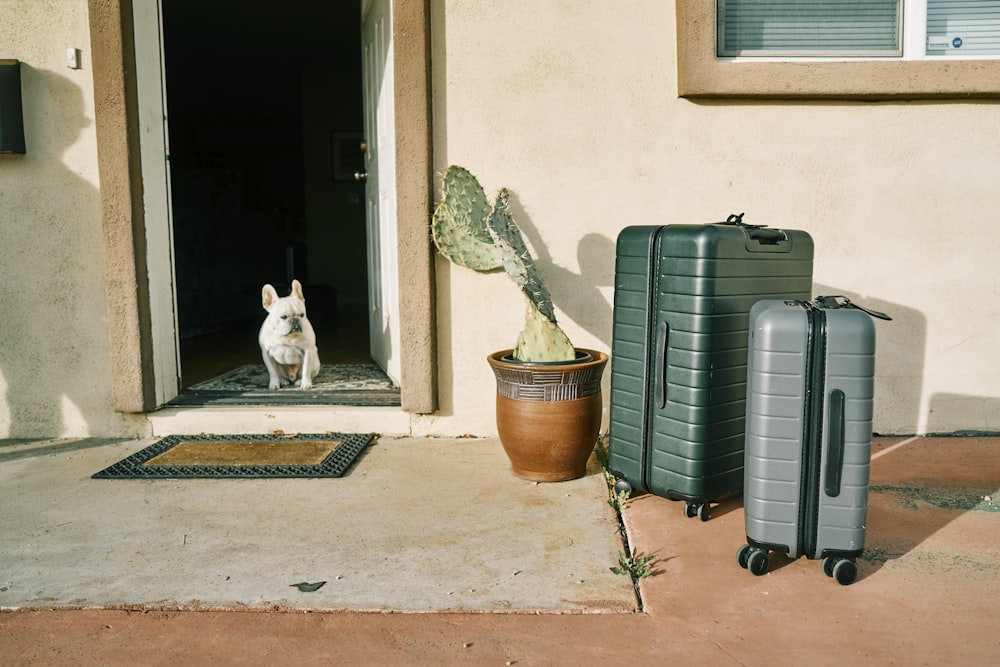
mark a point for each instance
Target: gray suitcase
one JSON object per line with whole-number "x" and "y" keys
{"x": 808, "y": 433}
{"x": 678, "y": 361}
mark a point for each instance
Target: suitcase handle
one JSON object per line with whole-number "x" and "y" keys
{"x": 660, "y": 366}
{"x": 839, "y": 301}
{"x": 767, "y": 236}
{"x": 758, "y": 233}
{"x": 835, "y": 453}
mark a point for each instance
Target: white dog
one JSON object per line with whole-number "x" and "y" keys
{"x": 287, "y": 341}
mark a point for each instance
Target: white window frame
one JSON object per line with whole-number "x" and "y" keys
{"x": 915, "y": 30}
{"x": 914, "y": 43}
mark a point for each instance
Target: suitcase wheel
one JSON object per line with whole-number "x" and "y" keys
{"x": 622, "y": 486}
{"x": 759, "y": 562}
{"x": 699, "y": 510}
{"x": 753, "y": 559}
{"x": 845, "y": 571}
{"x": 743, "y": 556}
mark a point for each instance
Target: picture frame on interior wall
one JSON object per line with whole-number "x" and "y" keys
{"x": 346, "y": 154}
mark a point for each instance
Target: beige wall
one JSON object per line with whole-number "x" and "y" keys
{"x": 54, "y": 347}
{"x": 574, "y": 107}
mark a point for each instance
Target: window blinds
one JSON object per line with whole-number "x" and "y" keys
{"x": 963, "y": 27}
{"x": 809, "y": 27}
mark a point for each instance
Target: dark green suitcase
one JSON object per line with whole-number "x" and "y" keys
{"x": 683, "y": 295}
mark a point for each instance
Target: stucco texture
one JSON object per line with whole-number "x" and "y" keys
{"x": 574, "y": 107}
{"x": 54, "y": 377}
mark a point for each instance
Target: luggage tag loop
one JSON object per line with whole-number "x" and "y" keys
{"x": 840, "y": 301}
{"x": 737, "y": 220}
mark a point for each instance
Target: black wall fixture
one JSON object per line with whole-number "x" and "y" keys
{"x": 11, "y": 118}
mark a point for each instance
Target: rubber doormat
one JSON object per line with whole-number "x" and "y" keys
{"x": 242, "y": 456}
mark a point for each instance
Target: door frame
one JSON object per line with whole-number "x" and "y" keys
{"x": 124, "y": 224}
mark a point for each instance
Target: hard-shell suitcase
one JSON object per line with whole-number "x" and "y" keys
{"x": 678, "y": 364}
{"x": 808, "y": 433}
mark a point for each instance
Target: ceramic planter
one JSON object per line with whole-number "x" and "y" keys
{"x": 549, "y": 414}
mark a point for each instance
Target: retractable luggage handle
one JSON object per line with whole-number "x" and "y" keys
{"x": 759, "y": 233}
{"x": 840, "y": 301}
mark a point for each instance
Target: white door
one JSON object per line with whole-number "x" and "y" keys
{"x": 380, "y": 187}
{"x": 154, "y": 159}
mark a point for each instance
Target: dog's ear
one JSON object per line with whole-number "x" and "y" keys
{"x": 268, "y": 296}
{"x": 297, "y": 290}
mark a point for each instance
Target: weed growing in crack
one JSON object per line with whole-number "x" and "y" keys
{"x": 630, "y": 564}
{"x": 634, "y": 566}
{"x": 616, "y": 499}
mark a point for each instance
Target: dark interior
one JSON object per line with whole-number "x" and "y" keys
{"x": 265, "y": 118}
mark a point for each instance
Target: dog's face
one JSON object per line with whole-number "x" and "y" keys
{"x": 286, "y": 316}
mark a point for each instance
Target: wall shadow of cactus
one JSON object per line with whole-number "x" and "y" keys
{"x": 578, "y": 296}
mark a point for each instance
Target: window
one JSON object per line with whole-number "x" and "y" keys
{"x": 881, "y": 50}
{"x": 963, "y": 28}
{"x": 858, "y": 28}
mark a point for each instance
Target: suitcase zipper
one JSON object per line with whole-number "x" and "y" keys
{"x": 656, "y": 385}
{"x": 812, "y": 433}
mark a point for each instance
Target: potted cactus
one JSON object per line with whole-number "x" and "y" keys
{"x": 548, "y": 392}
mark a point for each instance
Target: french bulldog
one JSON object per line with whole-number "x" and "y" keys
{"x": 287, "y": 340}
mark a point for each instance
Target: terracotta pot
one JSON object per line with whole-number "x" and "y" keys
{"x": 549, "y": 415}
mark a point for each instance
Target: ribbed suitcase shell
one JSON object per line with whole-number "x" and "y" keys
{"x": 808, "y": 430}
{"x": 678, "y": 365}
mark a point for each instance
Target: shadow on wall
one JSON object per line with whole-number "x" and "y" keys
{"x": 577, "y": 295}
{"x": 54, "y": 353}
{"x": 899, "y": 362}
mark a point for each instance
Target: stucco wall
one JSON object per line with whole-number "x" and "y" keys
{"x": 574, "y": 107}
{"x": 54, "y": 377}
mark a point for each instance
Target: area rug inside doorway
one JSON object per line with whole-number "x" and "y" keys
{"x": 336, "y": 384}
{"x": 242, "y": 456}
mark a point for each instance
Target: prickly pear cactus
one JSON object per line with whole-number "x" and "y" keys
{"x": 542, "y": 339}
{"x": 472, "y": 233}
{"x": 516, "y": 259}
{"x": 460, "y": 223}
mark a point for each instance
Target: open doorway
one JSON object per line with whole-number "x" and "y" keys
{"x": 265, "y": 121}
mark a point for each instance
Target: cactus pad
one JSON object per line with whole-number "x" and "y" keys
{"x": 516, "y": 259}
{"x": 542, "y": 340}
{"x": 472, "y": 233}
{"x": 459, "y": 224}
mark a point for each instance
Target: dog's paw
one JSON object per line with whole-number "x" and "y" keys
{"x": 274, "y": 385}
{"x": 306, "y": 384}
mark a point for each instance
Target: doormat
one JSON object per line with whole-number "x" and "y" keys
{"x": 242, "y": 456}
{"x": 336, "y": 384}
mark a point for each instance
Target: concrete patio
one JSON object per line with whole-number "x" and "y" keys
{"x": 434, "y": 553}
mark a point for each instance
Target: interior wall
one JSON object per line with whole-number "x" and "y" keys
{"x": 255, "y": 199}
{"x": 334, "y": 201}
